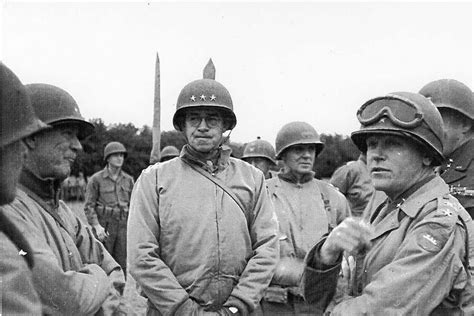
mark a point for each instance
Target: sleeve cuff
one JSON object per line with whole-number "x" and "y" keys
{"x": 313, "y": 259}
{"x": 236, "y": 302}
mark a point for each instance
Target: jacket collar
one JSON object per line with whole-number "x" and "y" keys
{"x": 106, "y": 173}
{"x": 218, "y": 162}
{"x": 289, "y": 177}
{"x": 421, "y": 193}
{"x": 46, "y": 189}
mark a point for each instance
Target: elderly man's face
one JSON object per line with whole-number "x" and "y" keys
{"x": 203, "y": 129}
{"x": 11, "y": 160}
{"x": 54, "y": 152}
{"x": 299, "y": 159}
{"x": 395, "y": 163}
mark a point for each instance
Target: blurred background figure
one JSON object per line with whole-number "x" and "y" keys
{"x": 260, "y": 154}
{"x": 168, "y": 152}
{"x": 454, "y": 101}
{"x": 108, "y": 200}
{"x": 353, "y": 180}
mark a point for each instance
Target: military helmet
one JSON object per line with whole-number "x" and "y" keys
{"x": 452, "y": 94}
{"x": 55, "y": 106}
{"x": 17, "y": 117}
{"x": 259, "y": 148}
{"x": 405, "y": 114}
{"x": 204, "y": 93}
{"x": 114, "y": 148}
{"x": 297, "y": 133}
{"x": 168, "y": 152}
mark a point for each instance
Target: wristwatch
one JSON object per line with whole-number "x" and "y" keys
{"x": 233, "y": 310}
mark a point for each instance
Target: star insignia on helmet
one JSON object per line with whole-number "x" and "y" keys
{"x": 203, "y": 97}
{"x": 382, "y": 120}
{"x": 213, "y": 98}
{"x": 192, "y": 98}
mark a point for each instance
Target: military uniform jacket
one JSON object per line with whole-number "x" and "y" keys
{"x": 188, "y": 238}
{"x": 460, "y": 175}
{"x": 415, "y": 264}
{"x": 103, "y": 193}
{"x": 18, "y": 295}
{"x": 73, "y": 273}
{"x": 305, "y": 211}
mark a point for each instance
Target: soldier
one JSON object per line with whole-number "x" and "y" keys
{"x": 107, "y": 201}
{"x": 17, "y": 121}
{"x": 168, "y": 152}
{"x": 412, "y": 253}
{"x": 202, "y": 234}
{"x": 73, "y": 273}
{"x": 306, "y": 209}
{"x": 260, "y": 154}
{"x": 454, "y": 101}
{"x": 353, "y": 180}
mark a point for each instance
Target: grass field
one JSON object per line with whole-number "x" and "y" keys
{"x": 135, "y": 304}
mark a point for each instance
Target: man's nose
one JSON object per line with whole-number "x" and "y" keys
{"x": 76, "y": 144}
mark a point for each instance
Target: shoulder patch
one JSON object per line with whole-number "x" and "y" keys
{"x": 428, "y": 242}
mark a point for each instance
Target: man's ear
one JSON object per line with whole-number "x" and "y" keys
{"x": 427, "y": 160}
{"x": 30, "y": 142}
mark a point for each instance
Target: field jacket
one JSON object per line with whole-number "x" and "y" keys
{"x": 188, "y": 238}
{"x": 73, "y": 273}
{"x": 415, "y": 265}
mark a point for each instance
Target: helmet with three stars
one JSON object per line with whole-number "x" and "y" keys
{"x": 259, "y": 148}
{"x": 17, "y": 117}
{"x": 297, "y": 133}
{"x": 204, "y": 93}
{"x": 451, "y": 94}
{"x": 404, "y": 114}
{"x": 54, "y": 106}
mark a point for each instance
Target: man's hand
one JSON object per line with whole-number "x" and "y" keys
{"x": 99, "y": 232}
{"x": 352, "y": 235}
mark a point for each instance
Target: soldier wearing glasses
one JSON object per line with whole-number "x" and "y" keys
{"x": 202, "y": 233}
{"x": 411, "y": 253}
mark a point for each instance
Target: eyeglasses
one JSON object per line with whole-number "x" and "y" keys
{"x": 196, "y": 119}
{"x": 401, "y": 111}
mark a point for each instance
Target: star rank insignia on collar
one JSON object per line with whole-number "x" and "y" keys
{"x": 193, "y": 98}
{"x": 203, "y": 97}
{"x": 213, "y": 98}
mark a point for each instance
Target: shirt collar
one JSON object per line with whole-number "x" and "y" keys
{"x": 218, "y": 162}
{"x": 289, "y": 177}
{"x": 47, "y": 189}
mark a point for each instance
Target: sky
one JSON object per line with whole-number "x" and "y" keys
{"x": 308, "y": 61}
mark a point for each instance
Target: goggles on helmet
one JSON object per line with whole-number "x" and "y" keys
{"x": 401, "y": 111}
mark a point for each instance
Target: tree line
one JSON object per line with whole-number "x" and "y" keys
{"x": 338, "y": 149}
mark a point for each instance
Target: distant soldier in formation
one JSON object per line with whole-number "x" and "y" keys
{"x": 412, "y": 256}
{"x": 168, "y": 152}
{"x": 353, "y": 180}
{"x": 17, "y": 121}
{"x": 107, "y": 202}
{"x": 73, "y": 273}
{"x": 260, "y": 154}
{"x": 306, "y": 209}
{"x": 202, "y": 232}
{"x": 454, "y": 101}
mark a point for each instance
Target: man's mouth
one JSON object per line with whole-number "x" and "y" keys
{"x": 378, "y": 169}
